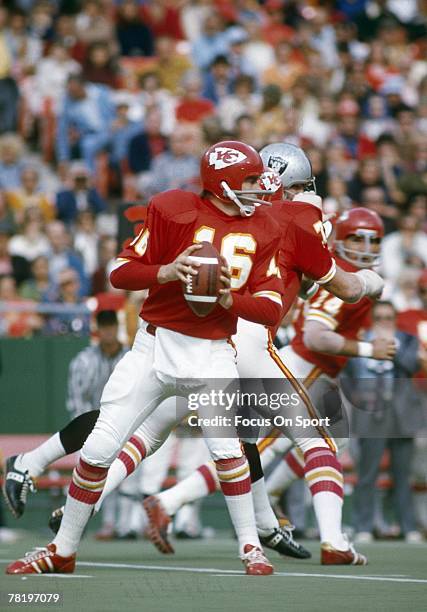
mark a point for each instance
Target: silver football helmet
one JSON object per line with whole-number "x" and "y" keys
{"x": 290, "y": 163}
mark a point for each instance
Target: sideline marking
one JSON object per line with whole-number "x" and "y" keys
{"x": 224, "y": 573}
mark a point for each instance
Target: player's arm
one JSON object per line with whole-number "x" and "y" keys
{"x": 139, "y": 266}
{"x": 319, "y": 337}
{"x": 351, "y": 287}
{"x": 263, "y": 303}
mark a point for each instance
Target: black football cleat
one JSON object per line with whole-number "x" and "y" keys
{"x": 281, "y": 541}
{"x": 55, "y": 519}
{"x": 16, "y": 486}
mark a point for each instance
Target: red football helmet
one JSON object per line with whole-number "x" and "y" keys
{"x": 224, "y": 168}
{"x": 360, "y": 222}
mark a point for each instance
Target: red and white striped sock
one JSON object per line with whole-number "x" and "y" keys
{"x": 198, "y": 484}
{"x": 288, "y": 470}
{"x": 323, "y": 474}
{"x": 126, "y": 462}
{"x": 85, "y": 490}
{"x": 235, "y": 483}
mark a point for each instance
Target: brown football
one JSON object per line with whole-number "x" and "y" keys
{"x": 201, "y": 291}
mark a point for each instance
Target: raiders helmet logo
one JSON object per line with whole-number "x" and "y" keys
{"x": 278, "y": 164}
{"x": 222, "y": 157}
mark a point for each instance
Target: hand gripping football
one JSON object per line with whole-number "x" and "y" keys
{"x": 201, "y": 291}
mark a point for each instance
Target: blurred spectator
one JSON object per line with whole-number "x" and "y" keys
{"x": 402, "y": 248}
{"x": 86, "y": 241}
{"x": 29, "y": 196}
{"x": 348, "y": 130}
{"x": 133, "y": 36}
{"x": 176, "y": 168}
{"x": 414, "y": 181}
{"x": 49, "y": 80}
{"x": 99, "y": 66}
{"x": 270, "y": 123}
{"x": 239, "y": 64}
{"x": 285, "y": 69}
{"x": 275, "y": 30}
{"x": 245, "y": 130}
{"x": 374, "y": 198}
{"x": 85, "y": 120}
{"x": 377, "y": 121}
{"x": 16, "y": 323}
{"x": 170, "y": 65}
{"x": 62, "y": 256}
{"x": 368, "y": 175}
{"x": 148, "y": 143}
{"x": 65, "y": 33}
{"x": 81, "y": 196}
{"x": 152, "y": 95}
{"x": 387, "y": 414}
{"x": 337, "y": 199}
{"x": 318, "y": 125}
{"x": 163, "y": 19}
{"x": 107, "y": 254}
{"x": 32, "y": 242}
{"x": 122, "y": 129}
{"x": 257, "y": 53}
{"x": 25, "y": 48}
{"x": 8, "y": 88}
{"x": 414, "y": 320}
{"x": 218, "y": 82}
{"x": 15, "y": 266}
{"x": 37, "y": 287}
{"x": 6, "y": 216}
{"x": 212, "y": 42}
{"x": 68, "y": 322}
{"x": 93, "y": 25}
{"x": 11, "y": 162}
{"x": 192, "y": 106}
{"x": 243, "y": 100}
{"x": 41, "y": 20}
{"x": 405, "y": 295}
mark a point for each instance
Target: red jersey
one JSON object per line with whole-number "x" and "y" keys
{"x": 345, "y": 319}
{"x": 303, "y": 248}
{"x": 177, "y": 219}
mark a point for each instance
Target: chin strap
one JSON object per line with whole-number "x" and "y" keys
{"x": 246, "y": 210}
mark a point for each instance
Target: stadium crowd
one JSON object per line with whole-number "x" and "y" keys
{"x": 105, "y": 101}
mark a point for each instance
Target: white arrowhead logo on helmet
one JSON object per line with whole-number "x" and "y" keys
{"x": 222, "y": 157}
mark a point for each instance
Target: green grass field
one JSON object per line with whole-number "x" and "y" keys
{"x": 206, "y": 575}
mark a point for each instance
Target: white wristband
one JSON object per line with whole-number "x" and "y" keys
{"x": 372, "y": 283}
{"x": 365, "y": 349}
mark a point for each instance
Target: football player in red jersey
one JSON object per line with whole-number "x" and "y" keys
{"x": 303, "y": 249}
{"x": 330, "y": 325}
{"x": 174, "y": 350}
{"x": 326, "y": 336}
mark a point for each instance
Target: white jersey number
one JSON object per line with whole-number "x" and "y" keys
{"x": 237, "y": 250}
